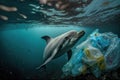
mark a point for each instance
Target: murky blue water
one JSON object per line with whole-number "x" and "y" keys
{"x": 21, "y": 49}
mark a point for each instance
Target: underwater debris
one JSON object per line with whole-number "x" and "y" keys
{"x": 3, "y": 17}
{"x": 7, "y": 9}
{"x": 99, "y": 54}
{"x": 22, "y": 15}
{"x": 106, "y": 3}
{"x": 65, "y": 4}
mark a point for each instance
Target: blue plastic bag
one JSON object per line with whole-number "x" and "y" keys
{"x": 99, "y": 53}
{"x": 73, "y": 65}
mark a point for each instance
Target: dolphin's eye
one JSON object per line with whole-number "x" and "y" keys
{"x": 66, "y": 38}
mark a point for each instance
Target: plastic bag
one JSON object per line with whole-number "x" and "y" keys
{"x": 109, "y": 44}
{"x": 100, "y": 52}
{"x": 112, "y": 55}
{"x": 94, "y": 59}
{"x": 74, "y": 66}
{"x": 100, "y": 40}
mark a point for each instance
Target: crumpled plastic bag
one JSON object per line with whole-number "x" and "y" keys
{"x": 112, "y": 55}
{"x": 74, "y": 66}
{"x": 94, "y": 59}
{"x": 100, "y": 40}
{"x": 99, "y": 53}
{"x": 109, "y": 44}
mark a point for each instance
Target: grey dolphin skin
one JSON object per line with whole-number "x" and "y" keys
{"x": 59, "y": 45}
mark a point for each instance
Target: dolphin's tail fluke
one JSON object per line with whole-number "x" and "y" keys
{"x": 41, "y": 67}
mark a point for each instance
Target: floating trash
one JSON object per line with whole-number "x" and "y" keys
{"x": 99, "y": 53}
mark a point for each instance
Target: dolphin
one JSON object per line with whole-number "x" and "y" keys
{"x": 59, "y": 45}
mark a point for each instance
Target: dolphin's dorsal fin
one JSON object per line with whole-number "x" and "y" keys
{"x": 47, "y": 38}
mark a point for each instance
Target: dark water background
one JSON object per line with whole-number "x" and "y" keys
{"x": 21, "y": 46}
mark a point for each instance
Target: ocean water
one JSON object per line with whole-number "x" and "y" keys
{"x": 21, "y": 49}
{"x": 21, "y": 45}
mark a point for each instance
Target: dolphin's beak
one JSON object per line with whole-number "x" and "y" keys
{"x": 77, "y": 36}
{"x": 81, "y": 34}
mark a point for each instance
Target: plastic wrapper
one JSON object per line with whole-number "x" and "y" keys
{"x": 99, "y": 53}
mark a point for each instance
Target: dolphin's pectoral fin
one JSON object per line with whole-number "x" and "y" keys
{"x": 69, "y": 54}
{"x": 48, "y": 60}
{"x": 47, "y": 38}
